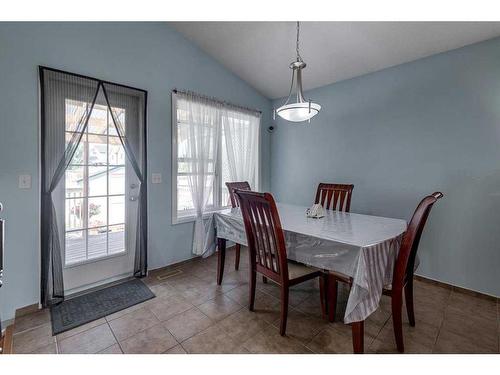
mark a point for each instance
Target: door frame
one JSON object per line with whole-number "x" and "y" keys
{"x": 41, "y": 152}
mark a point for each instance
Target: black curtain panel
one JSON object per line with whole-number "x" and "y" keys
{"x": 131, "y": 130}
{"x": 62, "y": 129}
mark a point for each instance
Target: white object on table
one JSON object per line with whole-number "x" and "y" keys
{"x": 316, "y": 211}
{"x": 363, "y": 247}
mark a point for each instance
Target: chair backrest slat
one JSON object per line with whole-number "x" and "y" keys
{"x": 232, "y": 186}
{"x": 341, "y": 194}
{"x": 266, "y": 241}
{"x": 404, "y": 267}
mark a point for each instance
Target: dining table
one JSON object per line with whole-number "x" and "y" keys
{"x": 361, "y": 247}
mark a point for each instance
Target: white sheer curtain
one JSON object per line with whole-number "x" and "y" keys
{"x": 215, "y": 143}
{"x": 204, "y": 123}
{"x": 241, "y": 134}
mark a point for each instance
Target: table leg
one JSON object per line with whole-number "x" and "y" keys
{"x": 358, "y": 336}
{"x": 323, "y": 293}
{"x": 331, "y": 295}
{"x": 221, "y": 244}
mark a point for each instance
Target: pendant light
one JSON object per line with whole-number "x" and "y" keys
{"x": 296, "y": 108}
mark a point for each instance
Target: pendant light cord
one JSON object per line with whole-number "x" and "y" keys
{"x": 299, "y": 58}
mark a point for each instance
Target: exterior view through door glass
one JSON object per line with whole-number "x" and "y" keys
{"x": 100, "y": 198}
{"x": 95, "y": 188}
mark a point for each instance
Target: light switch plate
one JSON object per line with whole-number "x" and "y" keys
{"x": 156, "y": 178}
{"x": 24, "y": 181}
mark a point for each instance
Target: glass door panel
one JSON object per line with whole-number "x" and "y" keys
{"x": 95, "y": 219}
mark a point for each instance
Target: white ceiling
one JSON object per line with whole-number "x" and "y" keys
{"x": 260, "y": 52}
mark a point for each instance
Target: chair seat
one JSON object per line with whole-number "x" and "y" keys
{"x": 298, "y": 270}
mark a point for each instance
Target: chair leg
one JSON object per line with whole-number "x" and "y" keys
{"x": 332, "y": 297}
{"x": 253, "y": 281}
{"x": 284, "y": 309}
{"x": 221, "y": 256}
{"x": 237, "y": 260}
{"x": 358, "y": 337}
{"x": 323, "y": 289}
{"x": 264, "y": 279}
{"x": 409, "y": 303}
{"x": 397, "y": 322}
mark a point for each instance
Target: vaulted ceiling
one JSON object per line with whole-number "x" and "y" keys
{"x": 260, "y": 52}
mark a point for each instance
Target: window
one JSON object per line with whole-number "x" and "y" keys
{"x": 94, "y": 186}
{"x": 230, "y": 137}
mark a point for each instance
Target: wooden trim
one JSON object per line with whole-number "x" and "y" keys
{"x": 457, "y": 288}
{"x": 22, "y": 311}
{"x": 6, "y": 341}
{"x": 173, "y": 266}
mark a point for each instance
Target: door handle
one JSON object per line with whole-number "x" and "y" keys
{"x": 133, "y": 198}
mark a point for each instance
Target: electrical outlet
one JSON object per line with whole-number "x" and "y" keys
{"x": 24, "y": 181}
{"x": 156, "y": 178}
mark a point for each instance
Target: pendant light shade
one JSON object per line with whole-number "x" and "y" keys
{"x": 296, "y": 108}
{"x": 298, "y": 112}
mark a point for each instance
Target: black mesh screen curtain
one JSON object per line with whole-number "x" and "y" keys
{"x": 62, "y": 129}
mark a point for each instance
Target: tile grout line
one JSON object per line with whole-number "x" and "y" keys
{"x": 57, "y": 344}
{"x": 204, "y": 330}
{"x": 290, "y": 307}
{"x": 380, "y": 330}
{"x": 31, "y": 328}
{"x": 175, "y": 338}
{"x": 196, "y": 334}
{"x": 142, "y": 330}
{"x": 442, "y": 322}
{"x": 106, "y": 348}
{"x": 136, "y": 333}
{"x": 184, "y": 348}
{"x": 266, "y": 293}
{"x": 118, "y": 342}
{"x": 312, "y": 339}
{"x": 222, "y": 328}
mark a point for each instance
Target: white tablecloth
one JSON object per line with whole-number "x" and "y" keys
{"x": 363, "y": 247}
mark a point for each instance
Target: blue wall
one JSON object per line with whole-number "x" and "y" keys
{"x": 397, "y": 134}
{"x": 402, "y": 133}
{"x": 150, "y": 56}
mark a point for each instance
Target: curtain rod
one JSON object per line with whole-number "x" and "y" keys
{"x": 223, "y": 102}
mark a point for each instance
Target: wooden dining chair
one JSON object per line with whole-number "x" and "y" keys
{"x": 231, "y": 186}
{"x": 334, "y": 196}
{"x": 267, "y": 249}
{"x": 402, "y": 278}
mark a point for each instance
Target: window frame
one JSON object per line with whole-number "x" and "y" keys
{"x": 189, "y": 215}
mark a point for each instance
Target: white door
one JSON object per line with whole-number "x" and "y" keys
{"x": 100, "y": 191}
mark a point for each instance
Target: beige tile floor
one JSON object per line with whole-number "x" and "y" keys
{"x": 191, "y": 314}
